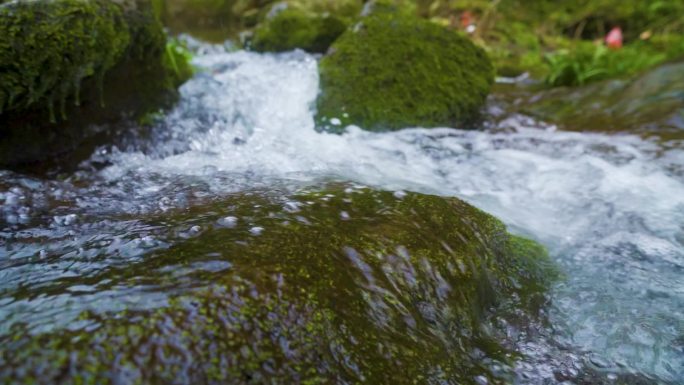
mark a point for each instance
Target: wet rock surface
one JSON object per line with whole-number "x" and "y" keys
{"x": 341, "y": 284}
{"x": 651, "y": 103}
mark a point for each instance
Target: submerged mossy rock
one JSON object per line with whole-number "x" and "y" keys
{"x": 339, "y": 285}
{"x": 392, "y": 71}
{"x": 651, "y": 103}
{"x": 66, "y": 64}
{"x": 293, "y": 28}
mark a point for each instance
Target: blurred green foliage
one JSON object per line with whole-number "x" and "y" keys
{"x": 587, "y": 62}
{"x": 561, "y": 40}
{"x": 294, "y": 28}
{"x": 556, "y": 40}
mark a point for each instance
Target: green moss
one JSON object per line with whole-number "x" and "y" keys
{"x": 649, "y": 103}
{"x": 159, "y": 63}
{"x": 393, "y": 71}
{"x": 534, "y": 267}
{"x": 343, "y": 285}
{"x": 212, "y": 20}
{"x": 176, "y": 61}
{"x": 293, "y": 28}
{"x": 391, "y": 7}
{"x": 346, "y": 9}
{"x": 67, "y": 64}
{"x": 519, "y": 33}
{"x": 586, "y": 62}
{"x": 48, "y": 48}
{"x": 592, "y": 18}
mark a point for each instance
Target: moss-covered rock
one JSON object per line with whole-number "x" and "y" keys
{"x": 48, "y": 49}
{"x": 293, "y": 28}
{"x": 651, "y": 103}
{"x": 212, "y": 20}
{"x": 392, "y": 71}
{"x": 68, "y": 63}
{"x": 339, "y": 285}
{"x": 395, "y": 7}
{"x": 219, "y": 20}
{"x": 346, "y": 9}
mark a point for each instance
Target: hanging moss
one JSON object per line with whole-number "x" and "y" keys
{"x": 67, "y": 64}
{"x": 392, "y": 71}
{"x": 293, "y": 28}
{"x": 48, "y": 48}
{"x": 341, "y": 285}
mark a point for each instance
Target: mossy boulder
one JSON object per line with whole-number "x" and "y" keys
{"x": 293, "y": 28}
{"x": 218, "y": 20}
{"x": 211, "y": 20}
{"x": 396, "y": 7}
{"x": 335, "y": 285}
{"x": 66, "y": 64}
{"x": 346, "y": 9}
{"x": 392, "y": 71}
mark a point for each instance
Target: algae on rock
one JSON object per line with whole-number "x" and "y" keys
{"x": 293, "y": 28}
{"x": 211, "y": 20}
{"x": 67, "y": 64}
{"x": 340, "y": 284}
{"x": 48, "y": 48}
{"x": 392, "y": 71}
{"x": 651, "y": 103}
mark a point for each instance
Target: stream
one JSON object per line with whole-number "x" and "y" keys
{"x": 610, "y": 208}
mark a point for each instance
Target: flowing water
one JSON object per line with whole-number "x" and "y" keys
{"x": 610, "y": 208}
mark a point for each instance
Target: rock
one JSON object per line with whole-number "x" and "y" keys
{"x": 651, "y": 103}
{"x": 211, "y": 20}
{"x": 293, "y": 28}
{"x": 68, "y": 64}
{"x": 396, "y": 7}
{"x": 392, "y": 71}
{"x": 345, "y": 9}
{"x": 219, "y": 20}
{"x": 398, "y": 290}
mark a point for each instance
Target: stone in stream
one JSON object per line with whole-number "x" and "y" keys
{"x": 402, "y": 289}
{"x": 650, "y": 103}
{"x": 392, "y": 70}
{"x": 210, "y": 20}
{"x": 307, "y": 24}
{"x": 293, "y": 28}
{"x": 68, "y": 64}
